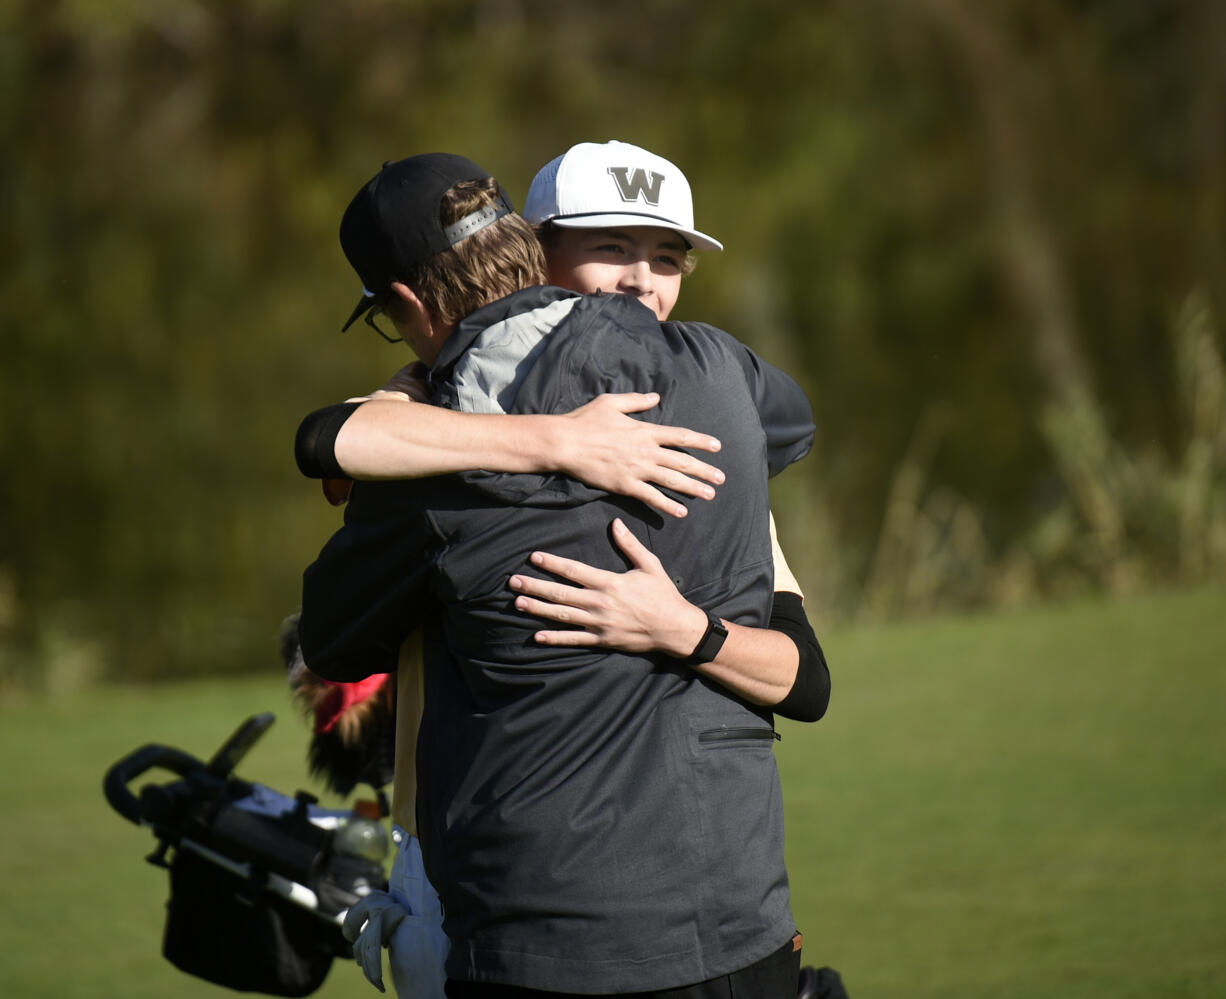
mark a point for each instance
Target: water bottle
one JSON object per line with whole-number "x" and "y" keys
{"x": 363, "y": 834}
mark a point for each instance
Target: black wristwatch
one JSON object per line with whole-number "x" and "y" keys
{"x": 712, "y": 641}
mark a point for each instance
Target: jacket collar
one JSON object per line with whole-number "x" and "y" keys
{"x": 474, "y": 325}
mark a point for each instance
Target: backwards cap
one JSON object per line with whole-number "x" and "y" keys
{"x": 606, "y": 185}
{"x": 393, "y": 223}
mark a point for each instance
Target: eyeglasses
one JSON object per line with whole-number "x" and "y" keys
{"x": 377, "y": 310}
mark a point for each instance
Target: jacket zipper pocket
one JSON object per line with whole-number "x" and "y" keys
{"x": 737, "y": 735}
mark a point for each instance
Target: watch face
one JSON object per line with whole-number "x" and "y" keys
{"x": 709, "y": 647}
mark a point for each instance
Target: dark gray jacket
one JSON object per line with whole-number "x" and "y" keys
{"x": 594, "y": 821}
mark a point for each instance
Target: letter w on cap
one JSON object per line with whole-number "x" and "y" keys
{"x": 638, "y": 183}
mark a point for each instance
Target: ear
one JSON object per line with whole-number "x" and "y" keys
{"x": 414, "y": 308}
{"x": 416, "y": 324}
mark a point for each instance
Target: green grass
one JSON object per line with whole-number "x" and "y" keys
{"x": 1029, "y": 805}
{"x": 81, "y": 913}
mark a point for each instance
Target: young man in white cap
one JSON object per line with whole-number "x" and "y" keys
{"x": 614, "y": 217}
{"x": 564, "y": 822}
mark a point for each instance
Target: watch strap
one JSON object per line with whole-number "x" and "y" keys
{"x": 712, "y": 641}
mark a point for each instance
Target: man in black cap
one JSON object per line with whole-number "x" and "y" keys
{"x": 596, "y": 822}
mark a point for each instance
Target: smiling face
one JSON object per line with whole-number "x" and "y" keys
{"x": 644, "y": 262}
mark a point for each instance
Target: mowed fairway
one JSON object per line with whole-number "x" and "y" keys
{"x": 1031, "y": 805}
{"x": 1023, "y": 805}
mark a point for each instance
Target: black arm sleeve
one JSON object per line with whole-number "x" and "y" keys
{"x": 315, "y": 443}
{"x": 810, "y": 693}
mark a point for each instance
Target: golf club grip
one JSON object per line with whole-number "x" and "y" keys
{"x": 119, "y": 776}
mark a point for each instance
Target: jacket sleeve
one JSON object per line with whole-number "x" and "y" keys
{"x": 783, "y": 407}
{"x": 787, "y": 416}
{"x": 365, "y": 592}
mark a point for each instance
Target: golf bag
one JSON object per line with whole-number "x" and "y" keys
{"x": 257, "y": 890}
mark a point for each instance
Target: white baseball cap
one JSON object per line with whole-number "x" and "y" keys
{"x": 603, "y": 185}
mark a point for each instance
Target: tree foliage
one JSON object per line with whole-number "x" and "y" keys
{"x": 988, "y": 238}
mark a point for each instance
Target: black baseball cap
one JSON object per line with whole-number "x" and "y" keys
{"x": 392, "y": 224}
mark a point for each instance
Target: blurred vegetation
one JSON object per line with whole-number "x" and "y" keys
{"x": 988, "y": 238}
